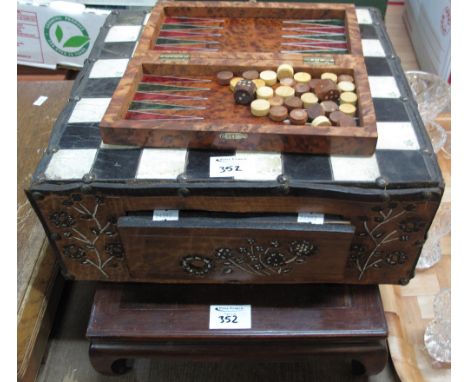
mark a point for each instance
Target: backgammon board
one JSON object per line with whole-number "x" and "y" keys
{"x": 169, "y": 96}
{"x": 165, "y": 215}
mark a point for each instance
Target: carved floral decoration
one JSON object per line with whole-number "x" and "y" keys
{"x": 87, "y": 239}
{"x": 253, "y": 258}
{"x": 389, "y": 224}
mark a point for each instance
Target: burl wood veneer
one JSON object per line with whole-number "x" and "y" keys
{"x": 192, "y": 110}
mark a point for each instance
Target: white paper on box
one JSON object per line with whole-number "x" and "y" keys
{"x": 247, "y": 166}
{"x": 56, "y": 33}
{"x": 230, "y": 317}
{"x": 165, "y": 215}
{"x": 310, "y": 217}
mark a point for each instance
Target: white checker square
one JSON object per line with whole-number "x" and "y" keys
{"x": 123, "y": 33}
{"x": 89, "y": 110}
{"x": 106, "y": 146}
{"x": 372, "y": 48}
{"x": 396, "y": 136}
{"x": 161, "y": 163}
{"x": 70, "y": 164}
{"x": 261, "y": 166}
{"x": 383, "y": 87}
{"x": 354, "y": 168}
{"x": 363, "y": 16}
{"x": 109, "y": 68}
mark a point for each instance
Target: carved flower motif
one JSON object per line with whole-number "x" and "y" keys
{"x": 396, "y": 257}
{"x": 275, "y": 243}
{"x": 258, "y": 266}
{"x": 223, "y": 253}
{"x": 74, "y": 252}
{"x": 114, "y": 249}
{"x": 411, "y": 225}
{"x": 275, "y": 259}
{"x": 62, "y": 219}
{"x": 302, "y": 248}
{"x": 197, "y": 265}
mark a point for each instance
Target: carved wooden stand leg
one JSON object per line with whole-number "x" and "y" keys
{"x": 370, "y": 360}
{"x": 108, "y": 359}
{"x": 114, "y": 358}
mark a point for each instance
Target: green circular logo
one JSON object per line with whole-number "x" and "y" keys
{"x": 66, "y": 36}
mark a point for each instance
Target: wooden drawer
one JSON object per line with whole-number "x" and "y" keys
{"x": 228, "y": 247}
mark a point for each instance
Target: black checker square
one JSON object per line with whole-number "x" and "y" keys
{"x": 116, "y": 163}
{"x": 403, "y": 166}
{"x": 307, "y": 167}
{"x": 390, "y": 110}
{"x": 112, "y": 50}
{"x": 368, "y": 31}
{"x": 99, "y": 87}
{"x": 80, "y": 136}
{"x": 377, "y": 66}
{"x": 198, "y": 162}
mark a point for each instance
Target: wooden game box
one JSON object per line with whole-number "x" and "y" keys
{"x": 97, "y": 202}
{"x": 169, "y": 96}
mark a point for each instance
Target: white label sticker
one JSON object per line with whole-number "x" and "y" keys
{"x": 230, "y": 317}
{"x": 165, "y": 215}
{"x": 247, "y": 166}
{"x": 309, "y": 217}
{"x": 40, "y": 100}
{"x": 221, "y": 167}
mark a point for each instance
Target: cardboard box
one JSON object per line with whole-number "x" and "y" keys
{"x": 52, "y": 33}
{"x": 428, "y": 23}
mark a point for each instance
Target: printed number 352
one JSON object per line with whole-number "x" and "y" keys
{"x": 228, "y": 319}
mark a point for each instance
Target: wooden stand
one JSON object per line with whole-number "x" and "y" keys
{"x": 288, "y": 323}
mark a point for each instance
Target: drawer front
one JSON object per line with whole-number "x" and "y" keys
{"x": 218, "y": 250}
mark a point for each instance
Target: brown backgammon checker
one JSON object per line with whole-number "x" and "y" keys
{"x": 278, "y": 113}
{"x": 298, "y": 117}
{"x": 224, "y": 77}
{"x": 293, "y": 103}
{"x": 329, "y": 107}
{"x": 345, "y": 77}
{"x": 301, "y": 88}
{"x": 296, "y": 323}
{"x": 276, "y": 101}
{"x": 313, "y": 83}
{"x": 315, "y": 110}
{"x": 250, "y": 75}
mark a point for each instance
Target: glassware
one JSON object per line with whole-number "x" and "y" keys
{"x": 447, "y": 148}
{"x": 432, "y": 94}
{"x": 441, "y": 226}
{"x": 437, "y": 337}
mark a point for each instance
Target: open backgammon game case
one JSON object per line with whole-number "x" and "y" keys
{"x": 301, "y": 71}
